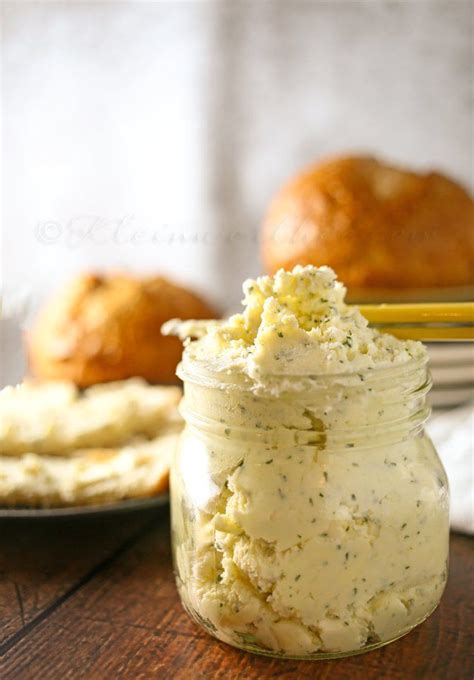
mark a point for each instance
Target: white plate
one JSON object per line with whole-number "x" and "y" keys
{"x": 440, "y": 398}
{"x": 462, "y": 375}
{"x": 449, "y": 353}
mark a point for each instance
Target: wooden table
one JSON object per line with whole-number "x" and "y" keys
{"x": 96, "y": 599}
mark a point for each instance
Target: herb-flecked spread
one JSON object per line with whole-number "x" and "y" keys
{"x": 309, "y": 509}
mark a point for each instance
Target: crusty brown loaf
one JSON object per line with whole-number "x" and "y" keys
{"x": 377, "y": 226}
{"x": 103, "y": 328}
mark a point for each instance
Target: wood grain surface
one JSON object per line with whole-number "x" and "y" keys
{"x": 96, "y": 599}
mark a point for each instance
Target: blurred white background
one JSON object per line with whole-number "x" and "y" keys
{"x": 151, "y": 135}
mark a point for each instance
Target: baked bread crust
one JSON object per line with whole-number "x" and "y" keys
{"x": 107, "y": 328}
{"x": 377, "y": 226}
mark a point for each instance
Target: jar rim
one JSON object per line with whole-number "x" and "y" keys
{"x": 199, "y": 372}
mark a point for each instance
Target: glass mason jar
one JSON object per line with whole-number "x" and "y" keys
{"x": 309, "y": 520}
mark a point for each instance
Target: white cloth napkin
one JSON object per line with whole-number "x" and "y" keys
{"x": 452, "y": 433}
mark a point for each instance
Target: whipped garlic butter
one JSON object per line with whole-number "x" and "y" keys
{"x": 309, "y": 509}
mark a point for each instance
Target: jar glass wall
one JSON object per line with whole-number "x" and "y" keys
{"x": 309, "y": 521}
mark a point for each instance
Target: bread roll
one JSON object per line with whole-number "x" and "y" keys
{"x": 378, "y": 226}
{"x": 62, "y": 447}
{"x": 89, "y": 477}
{"x": 105, "y": 328}
{"x": 55, "y": 419}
